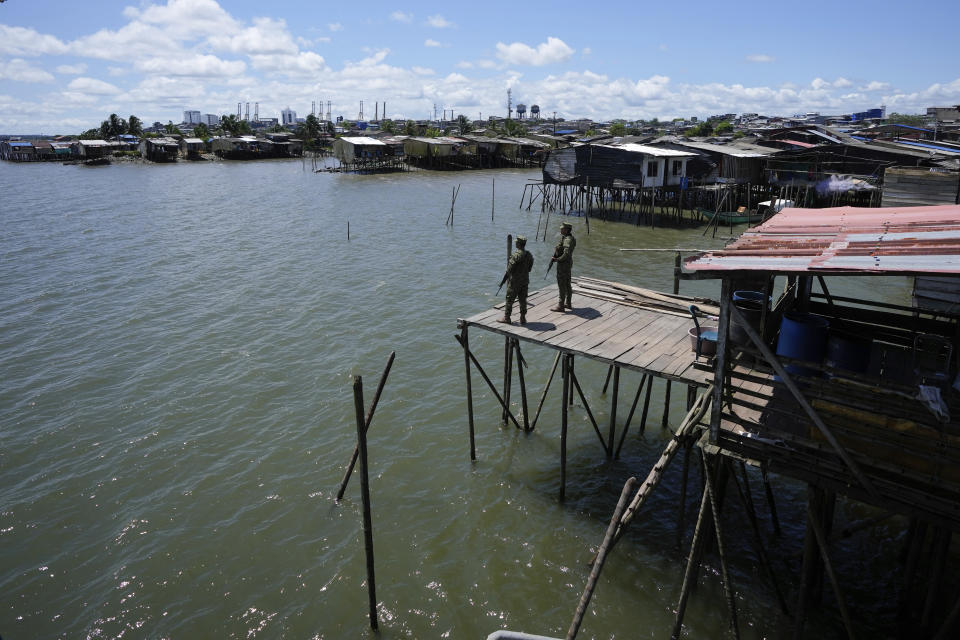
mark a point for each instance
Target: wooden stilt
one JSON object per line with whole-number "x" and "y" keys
{"x": 464, "y": 340}
{"x": 490, "y": 384}
{"x": 646, "y": 406}
{"x": 727, "y": 586}
{"x": 523, "y": 386}
{"x": 682, "y": 507}
{"x": 626, "y": 425}
{"x": 771, "y": 502}
{"x": 368, "y": 420}
{"x": 613, "y": 411}
{"x": 565, "y": 372}
{"x": 664, "y": 421}
{"x": 507, "y": 377}
{"x": 601, "y": 558}
{"x": 821, "y": 538}
{"x": 365, "y": 492}
{"x": 607, "y": 381}
{"x": 688, "y": 575}
{"x": 546, "y": 388}
{"x": 586, "y": 405}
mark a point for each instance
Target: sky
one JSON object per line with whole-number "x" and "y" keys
{"x": 66, "y": 65}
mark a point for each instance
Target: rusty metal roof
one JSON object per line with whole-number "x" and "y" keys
{"x": 845, "y": 240}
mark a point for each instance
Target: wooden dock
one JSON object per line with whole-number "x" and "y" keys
{"x": 651, "y": 341}
{"x": 625, "y": 327}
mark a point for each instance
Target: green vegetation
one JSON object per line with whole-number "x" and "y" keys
{"x": 233, "y": 126}
{"x": 410, "y": 128}
{"x": 913, "y": 120}
{"x": 309, "y": 131}
{"x": 134, "y": 126}
{"x": 463, "y": 122}
{"x": 388, "y": 126}
{"x": 201, "y": 131}
{"x": 723, "y": 128}
{"x": 618, "y": 129}
{"x": 171, "y": 128}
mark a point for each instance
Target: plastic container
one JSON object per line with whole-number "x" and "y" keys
{"x": 708, "y": 340}
{"x": 750, "y": 304}
{"x": 848, "y": 352}
{"x": 803, "y": 336}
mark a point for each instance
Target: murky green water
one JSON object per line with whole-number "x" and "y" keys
{"x": 176, "y": 346}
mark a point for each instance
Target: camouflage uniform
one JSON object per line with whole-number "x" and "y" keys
{"x": 563, "y": 255}
{"x": 518, "y": 279}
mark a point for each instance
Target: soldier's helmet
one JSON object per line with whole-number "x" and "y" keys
{"x": 521, "y": 241}
{"x": 567, "y": 226}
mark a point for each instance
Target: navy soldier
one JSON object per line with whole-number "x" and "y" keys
{"x": 563, "y": 256}
{"x": 518, "y": 279}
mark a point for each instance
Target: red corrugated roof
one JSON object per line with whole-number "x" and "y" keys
{"x": 909, "y": 240}
{"x": 805, "y": 145}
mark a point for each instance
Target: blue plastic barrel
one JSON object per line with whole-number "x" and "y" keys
{"x": 748, "y": 296}
{"x": 802, "y": 336}
{"x": 848, "y": 352}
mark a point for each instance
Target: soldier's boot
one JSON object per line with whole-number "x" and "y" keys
{"x": 504, "y": 320}
{"x": 568, "y": 305}
{"x": 523, "y": 319}
{"x": 559, "y": 307}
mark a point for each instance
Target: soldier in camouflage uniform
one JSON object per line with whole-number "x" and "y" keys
{"x": 563, "y": 256}
{"x": 518, "y": 279}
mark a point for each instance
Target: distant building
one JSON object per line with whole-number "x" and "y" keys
{"x": 945, "y": 114}
{"x": 191, "y": 117}
{"x": 288, "y": 116}
{"x": 210, "y": 119}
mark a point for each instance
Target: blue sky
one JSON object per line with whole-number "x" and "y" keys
{"x": 66, "y": 65}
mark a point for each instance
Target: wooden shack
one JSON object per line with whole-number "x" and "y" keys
{"x": 160, "y": 149}
{"x": 850, "y": 394}
{"x": 192, "y": 148}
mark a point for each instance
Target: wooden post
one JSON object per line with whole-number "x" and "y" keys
{"x": 720, "y": 362}
{"x": 464, "y": 340}
{"x": 365, "y": 491}
{"x": 507, "y": 376}
{"x": 664, "y": 422}
{"x": 601, "y": 558}
{"x": 646, "y": 406}
{"x": 493, "y": 197}
{"x": 646, "y": 379}
{"x": 546, "y": 388}
{"x": 565, "y": 372}
{"x": 676, "y": 273}
{"x": 348, "y": 229}
{"x": 727, "y": 587}
{"x": 688, "y": 575}
{"x": 367, "y": 421}
{"x": 613, "y": 411}
{"x": 523, "y": 386}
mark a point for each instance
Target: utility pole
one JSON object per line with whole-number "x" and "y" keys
{"x": 554, "y": 123}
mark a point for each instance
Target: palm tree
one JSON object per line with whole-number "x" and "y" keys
{"x": 201, "y": 131}
{"x": 118, "y": 126}
{"x": 464, "y": 123}
{"x": 134, "y": 126}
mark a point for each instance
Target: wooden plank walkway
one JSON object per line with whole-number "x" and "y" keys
{"x": 624, "y": 335}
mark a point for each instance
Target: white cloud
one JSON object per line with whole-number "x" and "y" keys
{"x": 92, "y": 86}
{"x": 465, "y": 64}
{"x": 20, "y": 70}
{"x": 19, "y": 41}
{"x": 432, "y": 43}
{"x": 400, "y": 16}
{"x": 586, "y": 51}
{"x": 439, "y": 22}
{"x": 760, "y": 58}
{"x": 486, "y": 64}
{"x": 335, "y": 26}
{"x": 72, "y": 69}
{"x": 819, "y": 83}
{"x": 266, "y": 36}
{"x": 876, "y": 86}
{"x": 841, "y": 83}
{"x": 423, "y": 71}
{"x": 305, "y": 64}
{"x": 194, "y": 66}
{"x": 185, "y": 18}
{"x": 549, "y": 52}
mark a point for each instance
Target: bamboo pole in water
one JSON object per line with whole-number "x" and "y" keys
{"x": 365, "y": 492}
{"x": 486, "y": 379}
{"x": 563, "y": 426}
{"x": 523, "y": 386}
{"x": 367, "y": 421}
{"x": 601, "y": 558}
{"x": 464, "y": 340}
{"x": 727, "y": 587}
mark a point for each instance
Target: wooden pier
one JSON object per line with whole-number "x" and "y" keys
{"x": 627, "y": 328}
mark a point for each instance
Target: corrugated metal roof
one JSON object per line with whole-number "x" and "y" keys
{"x": 805, "y": 145}
{"x": 364, "y": 140}
{"x": 729, "y": 150}
{"x": 909, "y": 240}
{"x": 650, "y": 151}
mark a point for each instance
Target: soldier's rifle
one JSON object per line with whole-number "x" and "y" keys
{"x": 556, "y": 254}
{"x": 506, "y": 274}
